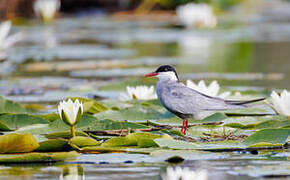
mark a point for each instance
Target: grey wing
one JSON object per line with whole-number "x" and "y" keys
{"x": 188, "y": 101}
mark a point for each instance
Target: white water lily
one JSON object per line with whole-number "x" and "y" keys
{"x": 184, "y": 174}
{"x": 138, "y": 92}
{"x": 7, "y": 41}
{"x": 197, "y": 15}
{"x": 281, "y": 103}
{"x": 70, "y": 112}
{"x": 211, "y": 90}
{"x": 46, "y": 9}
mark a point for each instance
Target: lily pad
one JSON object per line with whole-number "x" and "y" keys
{"x": 49, "y": 117}
{"x": 7, "y": 106}
{"x": 266, "y": 138}
{"x": 15, "y": 143}
{"x": 81, "y": 141}
{"x": 37, "y": 157}
{"x": 118, "y": 141}
{"x": 87, "y": 123}
{"x": 175, "y": 144}
{"x": 15, "y": 121}
{"x": 53, "y": 145}
{"x": 134, "y": 113}
{"x": 273, "y": 136}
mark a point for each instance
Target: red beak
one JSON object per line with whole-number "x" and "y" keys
{"x": 151, "y": 74}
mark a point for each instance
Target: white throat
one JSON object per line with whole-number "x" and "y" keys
{"x": 167, "y": 76}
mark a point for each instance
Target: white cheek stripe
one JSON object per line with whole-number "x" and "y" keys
{"x": 167, "y": 75}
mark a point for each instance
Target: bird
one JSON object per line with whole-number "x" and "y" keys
{"x": 187, "y": 103}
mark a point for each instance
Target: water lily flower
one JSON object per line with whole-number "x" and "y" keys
{"x": 197, "y": 15}
{"x": 184, "y": 174}
{"x": 211, "y": 90}
{"x": 7, "y": 41}
{"x": 138, "y": 92}
{"x": 71, "y": 112}
{"x": 46, "y": 9}
{"x": 281, "y": 104}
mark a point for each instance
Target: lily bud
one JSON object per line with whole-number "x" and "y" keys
{"x": 70, "y": 112}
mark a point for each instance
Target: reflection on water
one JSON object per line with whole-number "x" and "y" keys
{"x": 72, "y": 172}
{"x": 122, "y": 167}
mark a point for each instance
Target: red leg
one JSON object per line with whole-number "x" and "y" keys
{"x": 185, "y": 128}
{"x": 182, "y": 129}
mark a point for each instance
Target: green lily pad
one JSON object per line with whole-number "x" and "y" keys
{"x": 7, "y": 106}
{"x": 50, "y": 117}
{"x": 53, "y": 145}
{"x": 81, "y": 141}
{"x": 133, "y": 113}
{"x": 15, "y": 143}
{"x": 15, "y": 121}
{"x": 142, "y": 140}
{"x": 101, "y": 149}
{"x": 273, "y": 136}
{"x": 118, "y": 141}
{"x": 136, "y": 137}
{"x": 175, "y": 144}
{"x": 265, "y": 138}
{"x": 146, "y": 143}
{"x": 38, "y": 157}
{"x": 87, "y": 123}
{"x": 257, "y": 122}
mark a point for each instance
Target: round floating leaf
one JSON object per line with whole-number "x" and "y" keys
{"x": 118, "y": 141}
{"x": 38, "y": 157}
{"x": 136, "y": 137}
{"x": 7, "y": 106}
{"x": 15, "y": 121}
{"x": 273, "y": 136}
{"x": 15, "y": 143}
{"x": 146, "y": 143}
{"x": 53, "y": 145}
{"x": 50, "y": 117}
{"x": 80, "y": 141}
{"x": 175, "y": 144}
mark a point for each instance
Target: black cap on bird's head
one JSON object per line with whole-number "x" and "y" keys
{"x": 162, "y": 70}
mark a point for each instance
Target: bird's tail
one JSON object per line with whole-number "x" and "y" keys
{"x": 246, "y": 104}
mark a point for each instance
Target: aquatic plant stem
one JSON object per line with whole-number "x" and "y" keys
{"x": 72, "y": 129}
